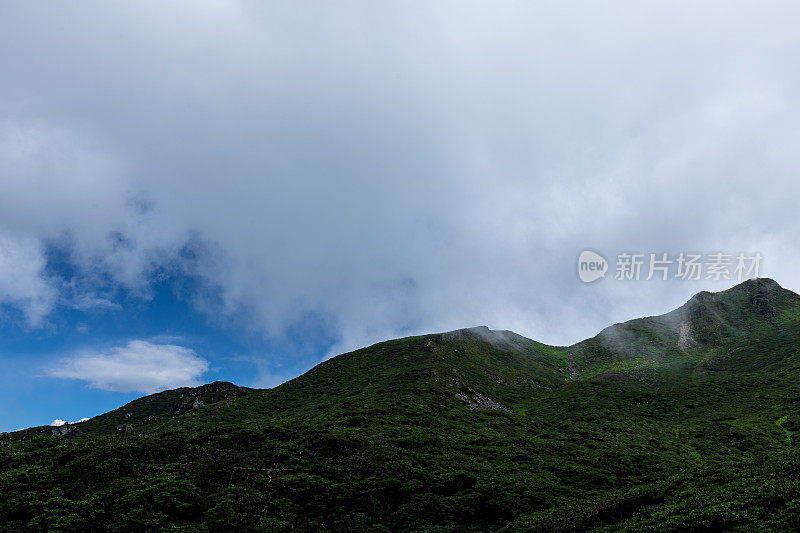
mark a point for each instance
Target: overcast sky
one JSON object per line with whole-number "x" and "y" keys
{"x": 238, "y": 190}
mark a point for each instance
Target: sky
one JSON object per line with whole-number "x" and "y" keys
{"x": 238, "y": 190}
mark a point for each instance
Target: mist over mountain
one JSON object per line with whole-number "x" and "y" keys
{"x": 399, "y": 266}
{"x": 683, "y": 421}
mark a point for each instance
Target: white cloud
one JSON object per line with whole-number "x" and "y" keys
{"x": 137, "y": 367}
{"x": 58, "y": 422}
{"x": 22, "y": 279}
{"x": 416, "y": 167}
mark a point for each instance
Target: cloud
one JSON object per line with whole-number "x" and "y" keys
{"x": 22, "y": 279}
{"x": 88, "y": 301}
{"x": 413, "y": 168}
{"x": 58, "y": 422}
{"x": 137, "y": 367}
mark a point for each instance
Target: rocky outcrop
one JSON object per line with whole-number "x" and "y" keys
{"x": 62, "y": 430}
{"x": 199, "y": 396}
{"x": 476, "y": 400}
{"x": 685, "y": 339}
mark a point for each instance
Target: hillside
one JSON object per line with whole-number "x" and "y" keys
{"x": 698, "y": 332}
{"x": 680, "y": 421}
{"x": 149, "y": 410}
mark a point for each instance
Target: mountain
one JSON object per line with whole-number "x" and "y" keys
{"x": 703, "y": 330}
{"x": 684, "y": 421}
{"x": 150, "y": 410}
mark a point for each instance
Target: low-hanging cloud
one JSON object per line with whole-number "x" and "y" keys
{"x": 385, "y": 170}
{"x": 137, "y": 367}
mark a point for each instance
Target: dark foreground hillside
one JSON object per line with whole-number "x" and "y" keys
{"x": 685, "y": 421}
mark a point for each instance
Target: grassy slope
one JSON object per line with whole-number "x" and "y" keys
{"x": 384, "y": 437}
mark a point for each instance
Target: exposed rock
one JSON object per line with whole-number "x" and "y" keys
{"x": 496, "y": 379}
{"x": 62, "y": 430}
{"x": 125, "y": 428}
{"x": 476, "y": 400}
{"x": 193, "y": 398}
{"x": 574, "y": 372}
{"x": 685, "y": 339}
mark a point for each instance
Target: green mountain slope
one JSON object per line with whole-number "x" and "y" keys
{"x": 707, "y": 327}
{"x": 148, "y": 410}
{"x": 684, "y": 421}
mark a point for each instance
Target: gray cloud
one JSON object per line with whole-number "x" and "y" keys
{"x": 403, "y": 167}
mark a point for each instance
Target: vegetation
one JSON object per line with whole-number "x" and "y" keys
{"x": 653, "y": 425}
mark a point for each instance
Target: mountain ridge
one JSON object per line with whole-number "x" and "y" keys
{"x": 664, "y": 336}
{"x": 468, "y": 430}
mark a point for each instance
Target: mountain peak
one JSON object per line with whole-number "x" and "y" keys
{"x": 735, "y": 311}
{"x": 705, "y": 321}
{"x": 497, "y": 338}
{"x": 750, "y": 286}
{"x": 757, "y": 284}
